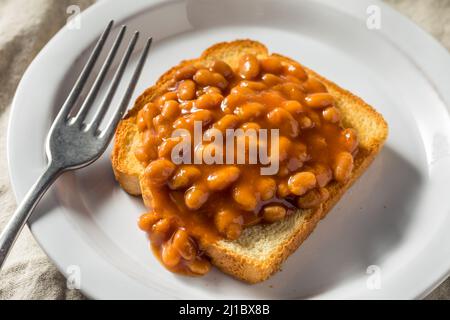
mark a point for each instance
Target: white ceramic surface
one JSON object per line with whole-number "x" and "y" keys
{"x": 395, "y": 217}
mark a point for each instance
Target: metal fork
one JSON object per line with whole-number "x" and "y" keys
{"x": 72, "y": 143}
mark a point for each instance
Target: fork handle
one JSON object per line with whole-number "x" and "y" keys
{"x": 24, "y": 210}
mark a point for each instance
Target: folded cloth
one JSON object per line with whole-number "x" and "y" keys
{"x": 25, "y": 27}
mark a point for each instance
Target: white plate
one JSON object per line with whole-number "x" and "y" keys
{"x": 395, "y": 218}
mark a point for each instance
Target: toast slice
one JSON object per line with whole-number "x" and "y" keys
{"x": 261, "y": 249}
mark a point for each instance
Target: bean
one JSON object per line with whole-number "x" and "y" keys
{"x": 172, "y": 95}
{"x": 229, "y": 223}
{"x": 149, "y": 111}
{"x": 284, "y": 146}
{"x": 282, "y": 119}
{"x": 271, "y": 65}
{"x": 209, "y": 101}
{"x": 250, "y": 126}
{"x": 301, "y": 182}
{"x": 186, "y": 90}
{"x": 249, "y": 67}
{"x": 159, "y": 119}
{"x": 205, "y": 78}
{"x": 296, "y": 70}
{"x": 283, "y": 189}
{"x": 222, "y": 178}
{"x": 331, "y": 114}
{"x": 323, "y": 173}
{"x": 147, "y": 220}
{"x": 211, "y": 89}
{"x": 350, "y": 139}
{"x": 140, "y": 121}
{"x": 183, "y": 244}
{"x": 204, "y": 116}
{"x": 291, "y": 90}
{"x": 319, "y": 100}
{"x": 199, "y": 266}
{"x": 186, "y": 72}
{"x": 343, "y": 166}
{"x": 305, "y": 122}
{"x": 195, "y": 197}
{"x": 170, "y": 110}
{"x": 253, "y": 86}
{"x": 165, "y": 148}
{"x": 293, "y": 107}
{"x": 160, "y": 230}
{"x": 273, "y": 213}
{"x": 271, "y": 79}
{"x": 170, "y": 256}
{"x": 266, "y": 187}
{"x": 249, "y": 111}
{"x": 244, "y": 196}
{"x": 312, "y": 85}
{"x": 159, "y": 171}
{"x": 228, "y": 121}
{"x": 184, "y": 177}
{"x": 233, "y": 100}
{"x": 223, "y": 68}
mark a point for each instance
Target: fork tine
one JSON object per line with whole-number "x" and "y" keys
{"x": 112, "y": 90}
{"x": 98, "y": 117}
{"x": 100, "y": 78}
{"x": 111, "y": 127}
{"x": 87, "y": 69}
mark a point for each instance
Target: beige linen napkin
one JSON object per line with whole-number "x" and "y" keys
{"x": 25, "y": 27}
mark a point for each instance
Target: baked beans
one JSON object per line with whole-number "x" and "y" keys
{"x": 249, "y": 111}
{"x": 296, "y": 70}
{"x": 350, "y": 139}
{"x": 223, "y": 178}
{"x": 273, "y": 213}
{"x": 282, "y": 119}
{"x": 170, "y": 110}
{"x": 205, "y": 78}
{"x": 185, "y": 73}
{"x": 331, "y": 114}
{"x": 266, "y": 188}
{"x": 244, "y": 196}
{"x": 229, "y": 223}
{"x": 249, "y": 67}
{"x": 319, "y": 100}
{"x": 186, "y": 90}
{"x": 195, "y": 197}
{"x": 184, "y": 177}
{"x": 159, "y": 171}
{"x": 209, "y": 101}
{"x": 271, "y": 65}
{"x": 223, "y": 68}
{"x": 343, "y": 166}
{"x": 271, "y": 79}
{"x": 194, "y": 205}
{"x": 313, "y": 85}
{"x": 301, "y": 182}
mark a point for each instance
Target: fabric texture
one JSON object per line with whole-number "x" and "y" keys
{"x": 25, "y": 27}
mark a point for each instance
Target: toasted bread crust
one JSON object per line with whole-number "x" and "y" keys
{"x": 236, "y": 257}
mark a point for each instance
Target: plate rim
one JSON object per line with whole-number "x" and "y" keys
{"x": 402, "y": 21}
